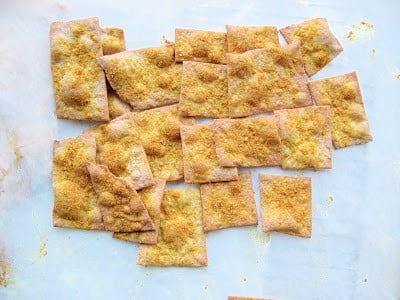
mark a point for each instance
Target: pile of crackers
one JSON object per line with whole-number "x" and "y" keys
{"x": 113, "y": 176}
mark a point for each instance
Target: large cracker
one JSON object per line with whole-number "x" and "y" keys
{"x": 200, "y": 45}
{"x": 247, "y": 142}
{"x": 75, "y": 201}
{"x": 146, "y": 77}
{"x": 306, "y": 137}
{"x": 181, "y": 241}
{"x": 318, "y": 44}
{"x": 228, "y": 204}
{"x": 263, "y": 80}
{"x": 200, "y": 163}
{"x": 151, "y": 197}
{"x": 286, "y": 204}
{"x": 204, "y": 90}
{"x": 78, "y": 81}
{"x": 349, "y": 120}
{"x": 116, "y": 106}
{"x": 121, "y": 208}
{"x": 245, "y": 298}
{"x": 113, "y": 40}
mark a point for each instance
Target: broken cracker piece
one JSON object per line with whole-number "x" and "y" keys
{"x": 116, "y": 106}
{"x": 113, "y": 40}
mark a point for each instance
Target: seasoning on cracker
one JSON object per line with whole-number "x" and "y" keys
{"x": 113, "y": 40}
{"x": 116, "y": 106}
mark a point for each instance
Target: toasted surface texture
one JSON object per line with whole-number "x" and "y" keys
{"x": 200, "y": 162}
{"x": 78, "y": 81}
{"x": 146, "y": 77}
{"x": 349, "y": 121}
{"x": 75, "y": 201}
{"x": 204, "y": 90}
{"x": 200, "y": 45}
{"x": 318, "y": 44}
{"x": 247, "y": 142}
{"x": 263, "y": 80}
{"x": 286, "y": 204}
{"x": 228, "y": 204}
{"x": 113, "y": 40}
{"x": 181, "y": 241}
{"x": 116, "y": 106}
{"x": 306, "y": 137}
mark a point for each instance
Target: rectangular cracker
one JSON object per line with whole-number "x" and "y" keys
{"x": 113, "y": 40}
{"x": 181, "y": 241}
{"x": 228, "y": 204}
{"x": 78, "y": 81}
{"x": 286, "y": 204}
{"x": 318, "y": 44}
{"x": 116, "y": 106}
{"x": 144, "y": 78}
{"x": 75, "y": 201}
{"x": 263, "y": 80}
{"x": 200, "y": 163}
{"x": 248, "y": 142}
{"x": 200, "y": 45}
{"x": 349, "y": 120}
{"x": 204, "y": 91}
{"x": 306, "y": 137}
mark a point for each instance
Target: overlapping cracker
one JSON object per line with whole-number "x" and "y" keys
{"x": 200, "y": 164}
{"x": 228, "y": 204}
{"x": 116, "y": 106}
{"x": 181, "y": 241}
{"x": 349, "y": 121}
{"x": 113, "y": 40}
{"x": 78, "y": 81}
{"x": 247, "y": 142}
{"x": 204, "y": 91}
{"x": 286, "y": 204}
{"x": 263, "y": 80}
{"x": 318, "y": 44}
{"x": 306, "y": 137}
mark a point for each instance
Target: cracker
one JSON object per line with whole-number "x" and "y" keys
{"x": 286, "y": 204}
{"x": 204, "y": 90}
{"x": 244, "y": 38}
{"x": 121, "y": 208}
{"x": 151, "y": 197}
{"x": 306, "y": 137}
{"x": 200, "y": 45}
{"x": 247, "y": 142}
{"x": 116, "y": 106}
{"x": 318, "y": 44}
{"x": 349, "y": 120}
{"x": 144, "y": 78}
{"x": 263, "y": 80}
{"x": 75, "y": 201}
{"x": 200, "y": 164}
{"x": 181, "y": 241}
{"x": 78, "y": 81}
{"x": 245, "y": 298}
{"x": 113, "y": 40}
{"x": 228, "y": 204}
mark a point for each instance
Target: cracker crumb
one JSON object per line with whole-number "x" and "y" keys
{"x": 206, "y": 287}
{"x": 373, "y": 52}
{"x": 397, "y": 75}
{"x": 351, "y": 36}
{"x": 243, "y": 279}
{"x": 331, "y": 198}
{"x": 43, "y": 248}
{"x": 6, "y": 270}
{"x": 361, "y": 31}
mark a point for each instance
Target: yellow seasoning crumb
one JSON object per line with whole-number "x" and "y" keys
{"x": 351, "y": 36}
{"x": 43, "y": 248}
{"x": 243, "y": 279}
{"x": 397, "y": 75}
{"x": 331, "y": 198}
{"x": 206, "y": 287}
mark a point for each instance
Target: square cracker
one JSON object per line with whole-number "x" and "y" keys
{"x": 75, "y": 201}
{"x": 200, "y": 45}
{"x": 349, "y": 120}
{"x": 318, "y": 44}
{"x": 247, "y": 142}
{"x": 151, "y": 197}
{"x": 263, "y": 80}
{"x": 181, "y": 241}
{"x": 244, "y": 38}
{"x": 245, "y": 298}
{"x": 204, "y": 91}
{"x": 144, "y": 78}
{"x": 113, "y": 40}
{"x": 78, "y": 81}
{"x": 228, "y": 204}
{"x": 286, "y": 204}
{"x": 306, "y": 137}
{"x": 116, "y": 106}
{"x": 200, "y": 163}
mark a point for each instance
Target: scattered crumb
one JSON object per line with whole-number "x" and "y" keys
{"x": 351, "y": 36}
{"x": 6, "y": 270}
{"x": 206, "y": 287}
{"x": 43, "y": 248}
{"x": 243, "y": 279}
{"x": 361, "y": 31}
{"x": 330, "y": 197}
{"x": 373, "y": 52}
{"x": 397, "y": 75}
{"x": 165, "y": 41}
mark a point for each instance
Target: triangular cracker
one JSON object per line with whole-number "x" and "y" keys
{"x": 113, "y": 40}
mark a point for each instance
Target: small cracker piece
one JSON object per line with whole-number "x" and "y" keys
{"x": 286, "y": 204}
{"x": 78, "y": 81}
{"x": 181, "y": 241}
{"x": 318, "y": 44}
{"x": 228, "y": 204}
{"x": 200, "y": 163}
{"x": 247, "y": 142}
{"x": 306, "y": 137}
{"x": 113, "y": 40}
{"x": 116, "y": 106}
{"x": 349, "y": 120}
{"x": 204, "y": 91}
{"x": 200, "y": 45}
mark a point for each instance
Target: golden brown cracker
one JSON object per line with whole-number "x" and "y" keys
{"x": 113, "y": 40}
